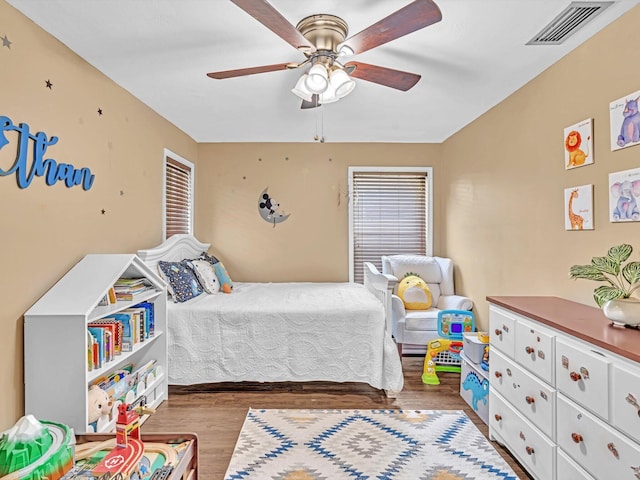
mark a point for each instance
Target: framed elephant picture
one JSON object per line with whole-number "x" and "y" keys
{"x": 578, "y": 208}
{"x": 624, "y": 196}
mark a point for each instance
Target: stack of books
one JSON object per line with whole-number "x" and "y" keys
{"x": 118, "y": 333}
{"x": 129, "y": 288}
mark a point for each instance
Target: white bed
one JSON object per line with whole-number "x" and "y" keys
{"x": 277, "y": 332}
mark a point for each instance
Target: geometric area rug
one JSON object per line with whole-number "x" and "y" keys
{"x": 363, "y": 444}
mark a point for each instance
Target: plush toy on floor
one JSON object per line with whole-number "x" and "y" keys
{"x": 98, "y": 406}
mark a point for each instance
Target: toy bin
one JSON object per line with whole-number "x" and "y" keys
{"x": 474, "y": 387}
{"x": 473, "y": 344}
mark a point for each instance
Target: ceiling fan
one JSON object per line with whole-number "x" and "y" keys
{"x": 323, "y": 40}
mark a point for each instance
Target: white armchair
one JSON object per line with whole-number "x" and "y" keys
{"x": 413, "y": 329}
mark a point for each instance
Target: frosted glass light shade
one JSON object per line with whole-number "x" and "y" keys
{"x": 342, "y": 83}
{"x": 301, "y": 89}
{"x": 329, "y": 95}
{"x": 317, "y": 80}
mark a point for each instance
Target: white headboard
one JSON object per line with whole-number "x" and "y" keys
{"x": 174, "y": 249}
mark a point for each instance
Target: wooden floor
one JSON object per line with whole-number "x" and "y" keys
{"x": 216, "y": 412}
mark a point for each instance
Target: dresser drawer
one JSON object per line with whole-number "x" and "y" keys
{"x": 529, "y": 395}
{"x": 526, "y": 442}
{"x": 583, "y": 376}
{"x": 534, "y": 349}
{"x": 625, "y": 400}
{"x": 602, "y": 451}
{"x": 570, "y": 470}
{"x": 502, "y": 328}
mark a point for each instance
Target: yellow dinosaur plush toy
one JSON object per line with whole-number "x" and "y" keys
{"x": 414, "y": 292}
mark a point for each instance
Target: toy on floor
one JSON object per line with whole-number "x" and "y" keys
{"x": 126, "y": 455}
{"x": 98, "y": 406}
{"x": 485, "y": 359}
{"x": 35, "y": 450}
{"x": 443, "y": 354}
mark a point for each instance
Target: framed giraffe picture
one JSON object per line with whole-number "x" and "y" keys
{"x": 578, "y": 208}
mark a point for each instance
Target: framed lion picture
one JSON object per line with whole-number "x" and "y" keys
{"x": 578, "y": 144}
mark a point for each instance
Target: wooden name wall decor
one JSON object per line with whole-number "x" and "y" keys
{"x": 40, "y": 166}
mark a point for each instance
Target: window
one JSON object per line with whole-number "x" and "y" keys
{"x": 177, "y": 206}
{"x": 390, "y": 212}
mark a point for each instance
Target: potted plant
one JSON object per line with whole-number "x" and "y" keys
{"x": 621, "y": 280}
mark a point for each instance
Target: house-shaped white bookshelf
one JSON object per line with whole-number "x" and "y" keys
{"x": 56, "y": 371}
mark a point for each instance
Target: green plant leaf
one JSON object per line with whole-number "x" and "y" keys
{"x": 631, "y": 272}
{"x": 609, "y": 265}
{"x": 604, "y": 293}
{"x": 620, "y": 253}
{"x": 588, "y": 272}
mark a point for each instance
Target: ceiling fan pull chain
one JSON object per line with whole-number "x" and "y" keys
{"x": 315, "y": 99}
{"x": 321, "y": 123}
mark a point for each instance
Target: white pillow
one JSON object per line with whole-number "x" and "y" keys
{"x": 206, "y": 275}
{"x": 427, "y": 268}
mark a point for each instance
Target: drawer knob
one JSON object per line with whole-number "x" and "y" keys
{"x": 498, "y": 417}
{"x": 529, "y": 350}
{"x": 530, "y": 399}
{"x": 497, "y": 374}
{"x": 576, "y": 437}
{"x": 632, "y": 400}
{"x": 530, "y": 450}
{"x": 575, "y": 376}
{"x": 613, "y": 450}
{"x": 498, "y": 331}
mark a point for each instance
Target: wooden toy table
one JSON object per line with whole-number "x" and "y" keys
{"x": 187, "y": 465}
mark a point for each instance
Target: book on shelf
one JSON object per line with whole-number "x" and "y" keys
{"x": 99, "y": 356}
{"x": 126, "y": 322}
{"x": 131, "y": 295}
{"x": 90, "y": 351}
{"x": 137, "y": 315}
{"x": 115, "y": 328}
{"x": 109, "y": 298}
{"x": 149, "y": 321}
{"x": 130, "y": 282}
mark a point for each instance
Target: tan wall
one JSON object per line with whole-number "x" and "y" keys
{"x": 498, "y": 184}
{"x": 310, "y": 182}
{"x": 503, "y": 191}
{"x": 45, "y": 230}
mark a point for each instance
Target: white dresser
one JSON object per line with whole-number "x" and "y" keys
{"x": 564, "y": 389}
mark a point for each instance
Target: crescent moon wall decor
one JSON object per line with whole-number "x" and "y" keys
{"x": 269, "y": 209}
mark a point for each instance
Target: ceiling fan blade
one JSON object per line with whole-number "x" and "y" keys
{"x": 264, "y": 12}
{"x": 248, "y": 71}
{"x": 312, "y": 104}
{"x": 383, "y": 76}
{"x": 416, "y": 15}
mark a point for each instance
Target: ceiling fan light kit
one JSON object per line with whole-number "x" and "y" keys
{"x": 323, "y": 39}
{"x": 317, "y": 80}
{"x": 342, "y": 82}
{"x": 301, "y": 89}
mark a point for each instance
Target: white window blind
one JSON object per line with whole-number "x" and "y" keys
{"x": 178, "y": 197}
{"x": 389, "y": 216}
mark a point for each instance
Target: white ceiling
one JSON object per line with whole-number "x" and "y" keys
{"x": 161, "y": 50}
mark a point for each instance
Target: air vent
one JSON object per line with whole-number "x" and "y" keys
{"x": 569, "y": 21}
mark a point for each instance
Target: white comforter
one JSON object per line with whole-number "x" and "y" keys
{"x": 274, "y": 332}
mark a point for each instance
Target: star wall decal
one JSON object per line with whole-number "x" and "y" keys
{"x": 6, "y": 42}
{"x": 49, "y": 84}
{"x": 100, "y": 111}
